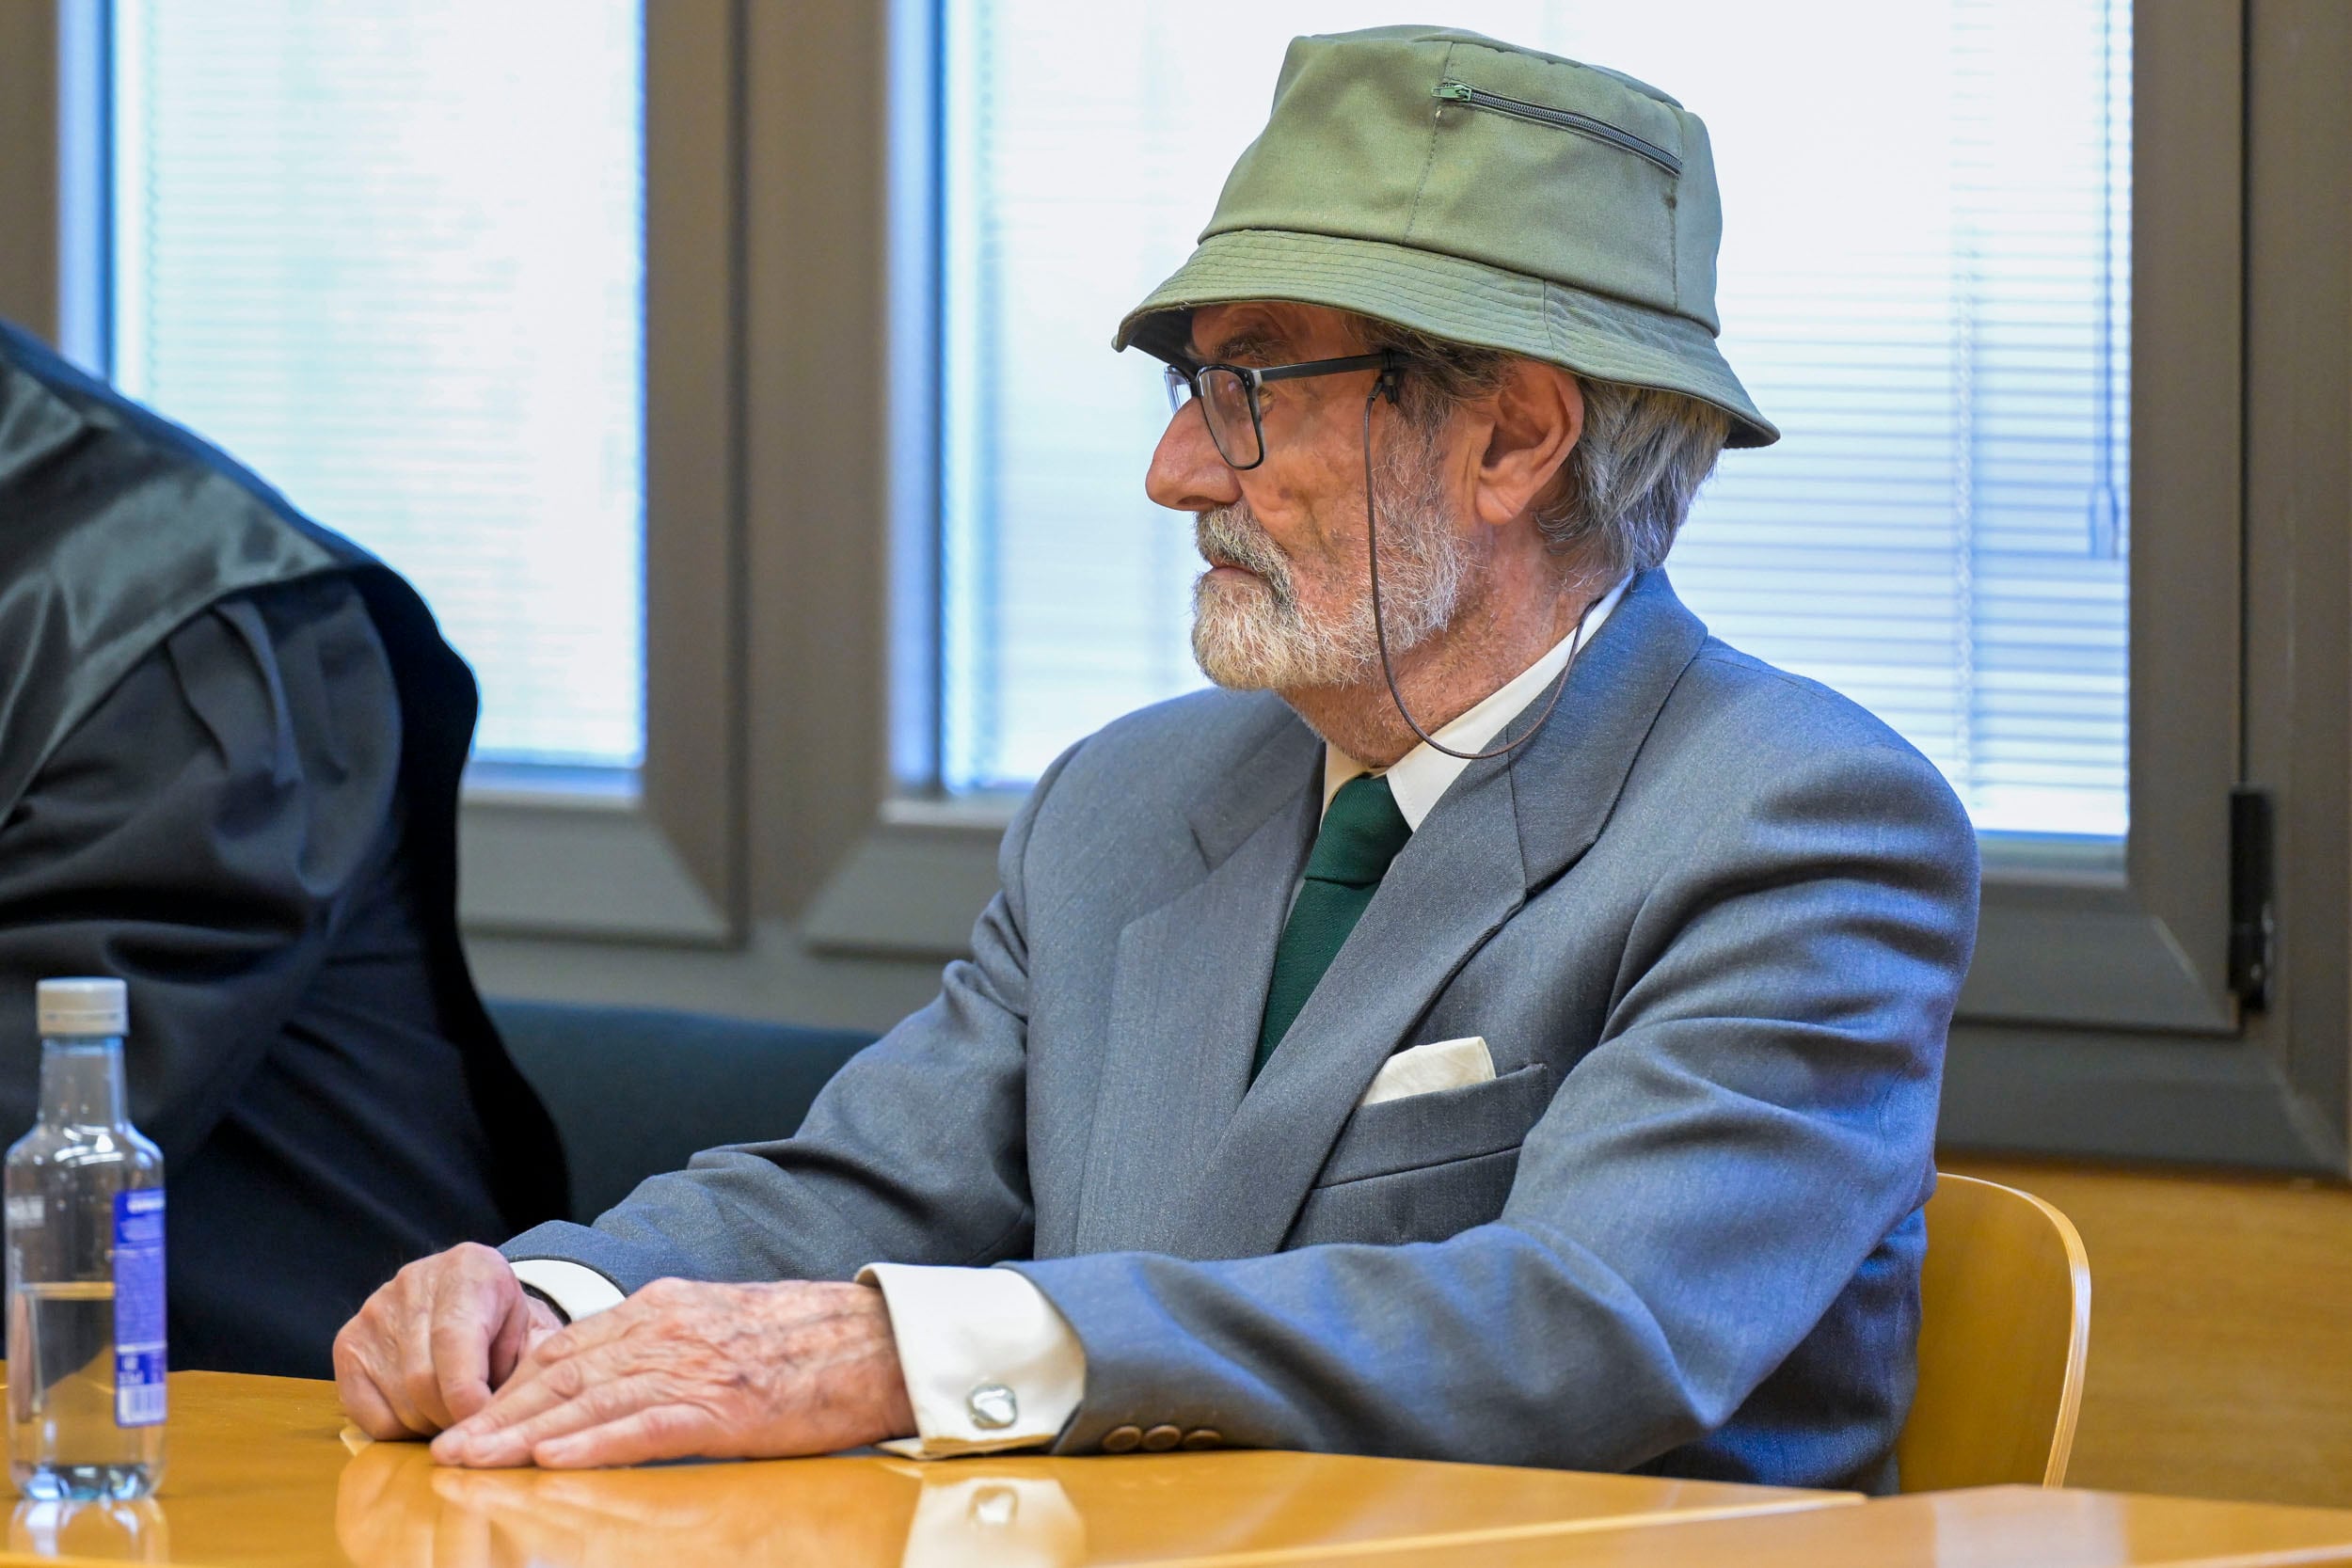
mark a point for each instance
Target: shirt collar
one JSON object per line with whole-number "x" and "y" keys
{"x": 1422, "y": 775}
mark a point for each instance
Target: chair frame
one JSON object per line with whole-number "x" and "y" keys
{"x": 1988, "y": 1198}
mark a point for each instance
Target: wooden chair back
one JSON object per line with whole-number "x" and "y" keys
{"x": 2004, "y": 1326}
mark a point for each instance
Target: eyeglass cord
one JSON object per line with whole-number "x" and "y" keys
{"x": 1386, "y": 386}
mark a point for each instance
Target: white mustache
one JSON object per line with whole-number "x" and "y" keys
{"x": 1230, "y": 536}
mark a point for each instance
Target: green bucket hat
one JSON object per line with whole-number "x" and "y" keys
{"x": 1481, "y": 192}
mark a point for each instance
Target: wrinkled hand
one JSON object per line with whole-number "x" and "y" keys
{"x": 429, "y": 1347}
{"x": 718, "y": 1371}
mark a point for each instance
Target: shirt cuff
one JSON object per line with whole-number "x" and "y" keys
{"x": 989, "y": 1363}
{"x": 577, "y": 1290}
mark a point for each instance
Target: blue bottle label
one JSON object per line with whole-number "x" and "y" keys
{"x": 140, "y": 1308}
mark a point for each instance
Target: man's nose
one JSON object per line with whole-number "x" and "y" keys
{"x": 1187, "y": 473}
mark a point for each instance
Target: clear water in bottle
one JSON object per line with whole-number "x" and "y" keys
{"x": 85, "y": 1268}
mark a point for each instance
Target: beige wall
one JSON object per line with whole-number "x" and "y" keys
{"x": 2220, "y": 1330}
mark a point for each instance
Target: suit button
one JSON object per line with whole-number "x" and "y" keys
{"x": 1162, "y": 1439}
{"x": 1203, "y": 1437}
{"x": 1121, "y": 1439}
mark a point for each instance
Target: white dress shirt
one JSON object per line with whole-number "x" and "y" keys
{"x": 1423, "y": 774}
{"x": 989, "y": 1363}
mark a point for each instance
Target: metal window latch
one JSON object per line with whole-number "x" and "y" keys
{"x": 2253, "y": 918}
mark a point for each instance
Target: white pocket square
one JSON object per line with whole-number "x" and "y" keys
{"x": 1425, "y": 1069}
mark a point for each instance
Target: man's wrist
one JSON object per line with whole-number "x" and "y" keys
{"x": 544, "y": 1308}
{"x": 896, "y": 1403}
{"x": 574, "y": 1291}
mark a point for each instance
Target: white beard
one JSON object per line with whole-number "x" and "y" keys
{"x": 1254, "y": 636}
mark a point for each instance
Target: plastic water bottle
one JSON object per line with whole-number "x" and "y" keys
{"x": 86, "y": 1266}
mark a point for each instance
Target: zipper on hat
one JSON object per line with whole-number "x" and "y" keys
{"x": 1564, "y": 120}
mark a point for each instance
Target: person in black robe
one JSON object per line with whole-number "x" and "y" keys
{"x": 230, "y": 750}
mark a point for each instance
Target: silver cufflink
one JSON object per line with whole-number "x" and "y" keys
{"x": 992, "y": 1406}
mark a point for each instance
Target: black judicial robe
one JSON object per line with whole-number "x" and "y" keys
{"x": 230, "y": 750}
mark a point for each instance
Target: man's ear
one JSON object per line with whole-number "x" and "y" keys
{"x": 1534, "y": 421}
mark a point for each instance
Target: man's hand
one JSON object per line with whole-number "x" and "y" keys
{"x": 429, "y": 1347}
{"x": 718, "y": 1371}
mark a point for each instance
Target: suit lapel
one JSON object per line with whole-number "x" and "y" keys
{"x": 1566, "y": 782}
{"x": 1188, "y": 992}
{"x": 1505, "y": 827}
{"x": 1449, "y": 889}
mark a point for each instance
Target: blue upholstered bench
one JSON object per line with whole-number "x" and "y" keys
{"x": 634, "y": 1091}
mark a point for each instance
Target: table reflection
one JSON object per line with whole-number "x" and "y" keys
{"x": 395, "y": 1508}
{"x": 116, "y": 1531}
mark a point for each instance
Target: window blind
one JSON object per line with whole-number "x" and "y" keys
{"x": 389, "y": 254}
{"x": 1925, "y": 283}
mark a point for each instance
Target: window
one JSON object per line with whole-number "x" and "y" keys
{"x": 791, "y": 492}
{"x": 1925, "y": 283}
{"x": 391, "y": 257}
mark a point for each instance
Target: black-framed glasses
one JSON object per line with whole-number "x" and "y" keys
{"x": 1228, "y": 395}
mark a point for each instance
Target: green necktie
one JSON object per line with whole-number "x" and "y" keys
{"x": 1362, "y": 831}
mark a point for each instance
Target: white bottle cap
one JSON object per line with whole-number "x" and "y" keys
{"x": 83, "y": 1008}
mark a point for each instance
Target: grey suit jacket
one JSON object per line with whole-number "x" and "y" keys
{"x": 1710, "y": 921}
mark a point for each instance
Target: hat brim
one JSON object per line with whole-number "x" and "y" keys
{"x": 1447, "y": 296}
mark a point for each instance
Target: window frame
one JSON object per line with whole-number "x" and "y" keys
{"x": 31, "y": 41}
{"x": 2154, "y": 932}
{"x": 2235, "y": 649}
{"x": 661, "y": 862}
{"x": 2098, "y": 1016}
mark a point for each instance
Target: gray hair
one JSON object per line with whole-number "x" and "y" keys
{"x": 1627, "y": 486}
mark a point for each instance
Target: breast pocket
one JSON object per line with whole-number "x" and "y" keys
{"x": 1424, "y": 1167}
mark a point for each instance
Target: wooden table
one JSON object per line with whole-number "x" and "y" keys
{"x": 263, "y": 1471}
{"x": 1992, "y": 1527}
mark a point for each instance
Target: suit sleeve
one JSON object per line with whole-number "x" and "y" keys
{"x": 196, "y": 835}
{"x": 916, "y": 1151}
{"x": 1757, "y": 1114}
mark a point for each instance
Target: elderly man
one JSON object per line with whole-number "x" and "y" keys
{"x": 1515, "y": 1039}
